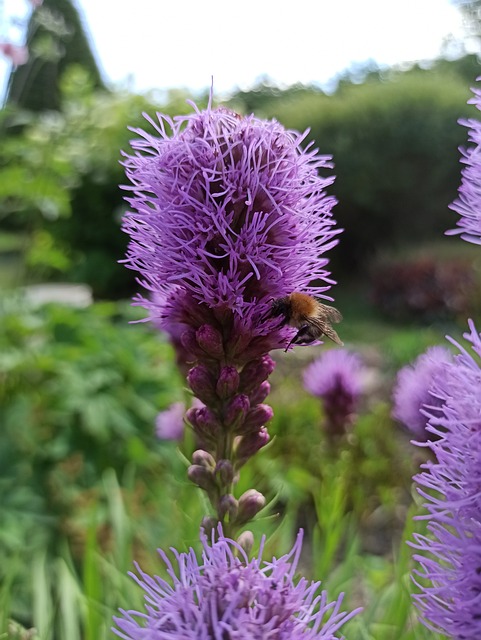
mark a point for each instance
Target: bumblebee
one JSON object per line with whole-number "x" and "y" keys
{"x": 311, "y": 317}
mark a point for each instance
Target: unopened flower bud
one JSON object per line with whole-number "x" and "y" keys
{"x": 260, "y": 393}
{"x": 246, "y": 541}
{"x": 206, "y": 423}
{"x": 228, "y": 505}
{"x": 202, "y": 477}
{"x": 208, "y": 524}
{"x": 250, "y": 503}
{"x": 255, "y": 372}
{"x": 249, "y": 445}
{"x": 237, "y": 410}
{"x": 228, "y": 382}
{"x": 225, "y": 472}
{"x": 238, "y": 343}
{"x": 257, "y": 417}
{"x": 191, "y": 417}
{"x": 203, "y": 459}
{"x": 201, "y": 383}
{"x": 189, "y": 341}
{"x": 210, "y": 340}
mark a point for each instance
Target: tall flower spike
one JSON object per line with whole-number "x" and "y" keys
{"x": 450, "y": 557}
{"x": 228, "y": 213}
{"x": 468, "y": 202}
{"x": 336, "y": 378}
{"x": 227, "y": 595}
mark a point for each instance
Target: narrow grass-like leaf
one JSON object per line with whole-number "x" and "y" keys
{"x": 44, "y": 608}
{"x": 69, "y": 596}
{"x": 92, "y": 585}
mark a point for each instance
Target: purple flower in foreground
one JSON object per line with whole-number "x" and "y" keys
{"x": 226, "y": 595}
{"x": 336, "y": 378}
{"x": 169, "y": 424}
{"x": 450, "y": 557}
{"x": 468, "y": 203}
{"x": 228, "y": 213}
{"x": 413, "y": 395}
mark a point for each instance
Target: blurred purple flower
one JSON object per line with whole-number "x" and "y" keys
{"x": 226, "y": 595}
{"x": 450, "y": 557}
{"x": 468, "y": 203}
{"x": 169, "y": 424}
{"x": 18, "y": 54}
{"x": 228, "y": 212}
{"x": 336, "y": 378}
{"x": 413, "y": 391}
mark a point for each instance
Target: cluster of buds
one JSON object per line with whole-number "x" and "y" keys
{"x": 230, "y": 425}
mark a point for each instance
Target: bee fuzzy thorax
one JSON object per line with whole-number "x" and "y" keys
{"x": 311, "y": 317}
{"x": 302, "y": 305}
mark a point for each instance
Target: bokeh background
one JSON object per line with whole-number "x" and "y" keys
{"x": 86, "y": 486}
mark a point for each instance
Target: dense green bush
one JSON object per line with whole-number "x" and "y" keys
{"x": 79, "y": 392}
{"x": 59, "y": 182}
{"x": 394, "y": 139}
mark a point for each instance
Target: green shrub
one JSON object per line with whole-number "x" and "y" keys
{"x": 79, "y": 392}
{"x": 59, "y": 183}
{"x": 394, "y": 140}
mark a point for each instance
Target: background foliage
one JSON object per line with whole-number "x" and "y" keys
{"x": 394, "y": 138}
{"x": 86, "y": 488}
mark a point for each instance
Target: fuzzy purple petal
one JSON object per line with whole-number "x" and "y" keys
{"x": 226, "y": 595}
{"x": 333, "y": 370}
{"x": 336, "y": 377}
{"x": 468, "y": 202}
{"x": 229, "y": 210}
{"x": 449, "y": 557}
{"x": 169, "y": 424}
{"x": 413, "y": 393}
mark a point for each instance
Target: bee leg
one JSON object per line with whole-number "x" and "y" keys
{"x": 303, "y": 336}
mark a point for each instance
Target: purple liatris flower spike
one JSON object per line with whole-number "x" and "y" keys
{"x": 413, "y": 395}
{"x": 449, "y": 557}
{"x": 336, "y": 378}
{"x": 226, "y": 595}
{"x": 468, "y": 203}
{"x": 228, "y": 213}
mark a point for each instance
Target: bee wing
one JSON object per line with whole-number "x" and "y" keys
{"x": 330, "y": 313}
{"x": 325, "y": 328}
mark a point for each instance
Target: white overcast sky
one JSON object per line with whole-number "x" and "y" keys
{"x": 151, "y": 44}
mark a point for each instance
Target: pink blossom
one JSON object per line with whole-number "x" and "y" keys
{"x": 17, "y": 54}
{"x": 169, "y": 424}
